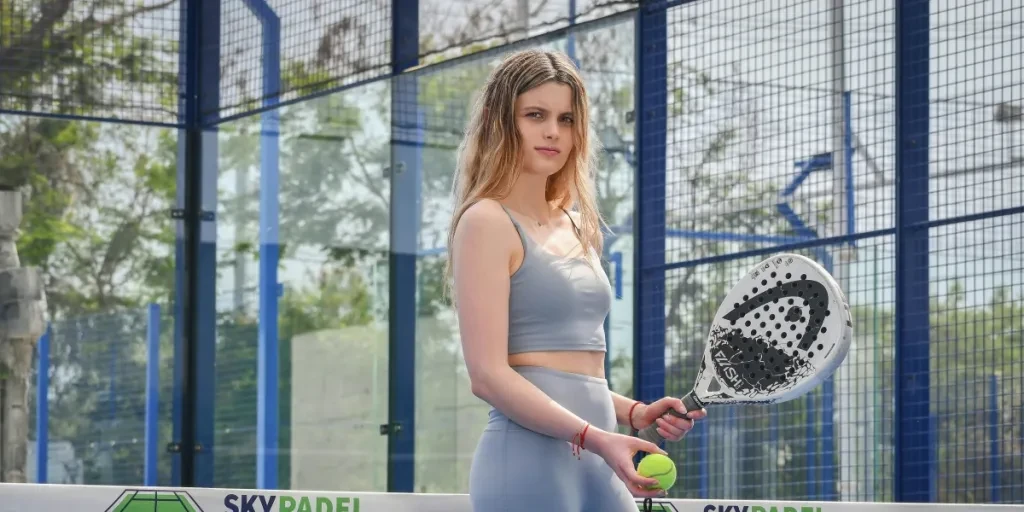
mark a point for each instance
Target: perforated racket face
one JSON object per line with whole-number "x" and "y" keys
{"x": 781, "y": 330}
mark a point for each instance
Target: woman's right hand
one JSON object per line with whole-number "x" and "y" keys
{"x": 618, "y": 450}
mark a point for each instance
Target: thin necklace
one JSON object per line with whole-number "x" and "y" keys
{"x": 539, "y": 223}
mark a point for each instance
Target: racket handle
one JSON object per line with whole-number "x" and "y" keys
{"x": 650, "y": 433}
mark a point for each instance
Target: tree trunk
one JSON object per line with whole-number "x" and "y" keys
{"x": 22, "y": 321}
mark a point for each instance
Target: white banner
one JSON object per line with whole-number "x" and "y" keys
{"x": 70, "y": 498}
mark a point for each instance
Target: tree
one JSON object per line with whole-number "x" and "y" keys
{"x": 113, "y": 256}
{"x": 22, "y": 304}
{"x": 37, "y": 47}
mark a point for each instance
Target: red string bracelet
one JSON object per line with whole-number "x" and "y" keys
{"x": 578, "y": 440}
{"x": 630, "y": 415}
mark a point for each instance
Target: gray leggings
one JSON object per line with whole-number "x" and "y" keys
{"x": 516, "y": 469}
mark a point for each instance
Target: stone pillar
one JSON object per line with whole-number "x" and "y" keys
{"x": 22, "y": 322}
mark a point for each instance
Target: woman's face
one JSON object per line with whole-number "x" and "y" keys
{"x": 545, "y": 120}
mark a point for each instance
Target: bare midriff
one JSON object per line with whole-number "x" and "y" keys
{"x": 571, "y": 361}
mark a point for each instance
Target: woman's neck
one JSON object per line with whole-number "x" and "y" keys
{"x": 528, "y": 197}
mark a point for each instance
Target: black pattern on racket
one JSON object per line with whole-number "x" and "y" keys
{"x": 781, "y": 330}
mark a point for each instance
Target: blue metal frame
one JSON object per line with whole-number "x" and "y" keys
{"x": 649, "y": 223}
{"x": 96, "y": 119}
{"x": 811, "y": 445}
{"x": 267, "y": 371}
{"x": 912, "y": 433}
{"x": 406, "y": 198}
{"x": 152, "y": 436}
{"x": 195, "y": 248}
{"x": 43, "y": 406}
{"x": 206, "y": 269}
{"x": 994, "y": 454}
{"x": 826, "y": 456}
{"x": 851, "y": 205}
{"x": 185, "y": 106}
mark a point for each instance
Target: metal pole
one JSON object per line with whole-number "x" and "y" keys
{"x": 840, "y": 227}
{"x": 152, "y": 436}
{"x": 43, "y": 407}
{"x": 769, "y": 201}
{"x": 267, "y": 362}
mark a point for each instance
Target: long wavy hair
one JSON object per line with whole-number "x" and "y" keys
{"x": 490, "y": 155}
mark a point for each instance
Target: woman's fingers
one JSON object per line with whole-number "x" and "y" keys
{"x": 671, "y": 430}
{"x": 639, "y": 482}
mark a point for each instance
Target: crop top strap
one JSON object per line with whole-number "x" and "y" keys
{"x": 574, "y": 226}
{"x": 519, "y": 229}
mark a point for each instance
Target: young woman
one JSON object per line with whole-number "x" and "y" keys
{"x": 532, "y": 298}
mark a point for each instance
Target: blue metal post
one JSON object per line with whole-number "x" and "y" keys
{"x": 826, "y": 460}
{"x": 933, "y": 429}
{"x": 773, "y": 456}
{"x": 827, "y": 490}
{"x": 267, "y": 365}
{"x": 616, "y": 261}
{"x": 733, "y": 459}
{"x": 112, "y": 385}
{"x": 912, "y": 435}
{"x": 195, "y": 247}
{"x": 206, "y": 276}
{"x": 406, "y": 199}
{"x": 185, "y": 70}
{"x": 43, "y": 407}
{"x": 851, "y": 206}
{"x": 704, "y": 458}
{"x": 178, "y": 379}
{"x": 993, "y": 439}
{"x": 811, "y": 447}
{"x": 741, "y": 237}
{"x": 152, "y": 394}
{"x": 649, "y": 246}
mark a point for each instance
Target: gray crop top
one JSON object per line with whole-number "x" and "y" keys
{"x": 556, "y": 303}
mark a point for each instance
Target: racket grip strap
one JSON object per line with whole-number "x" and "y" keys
{"x": 691, "y": 403}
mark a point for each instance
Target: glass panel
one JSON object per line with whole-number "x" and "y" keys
{"x": 94, "y": 224}
{"x": 449, "y": 419}
{"x": 332, "y": 334}
{"x": 448, "y": 416}
{"x": 606, "y": 58}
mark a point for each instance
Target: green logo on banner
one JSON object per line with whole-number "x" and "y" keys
{"x": 139, "y": 500}
{"x": 286, "y": 503}
{"x": 759, "y": 508}
{"x": 649, "y": 505}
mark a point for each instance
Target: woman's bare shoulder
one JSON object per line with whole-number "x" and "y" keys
{"x": 485, "y": 221}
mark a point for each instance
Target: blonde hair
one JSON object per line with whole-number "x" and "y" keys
{"x": 490, "y": 158}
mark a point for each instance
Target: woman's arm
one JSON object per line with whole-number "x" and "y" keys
{"x": 671, "y": 428}
{"x": 623, "y": 406}
{"x": 482, "y": 250}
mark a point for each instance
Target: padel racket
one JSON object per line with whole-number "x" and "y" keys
{"x": 782, "y": 330}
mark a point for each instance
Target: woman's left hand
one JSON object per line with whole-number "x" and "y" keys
{"x": 670, "y": 427}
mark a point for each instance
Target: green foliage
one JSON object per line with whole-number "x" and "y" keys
{"x": 79, "y": 57}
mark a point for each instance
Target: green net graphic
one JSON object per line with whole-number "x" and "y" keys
{"x": 656, "y": 506}
{"x": 132, "y": 500}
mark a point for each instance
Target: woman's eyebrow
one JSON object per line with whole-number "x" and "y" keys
{"x": 544, "y": 110}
